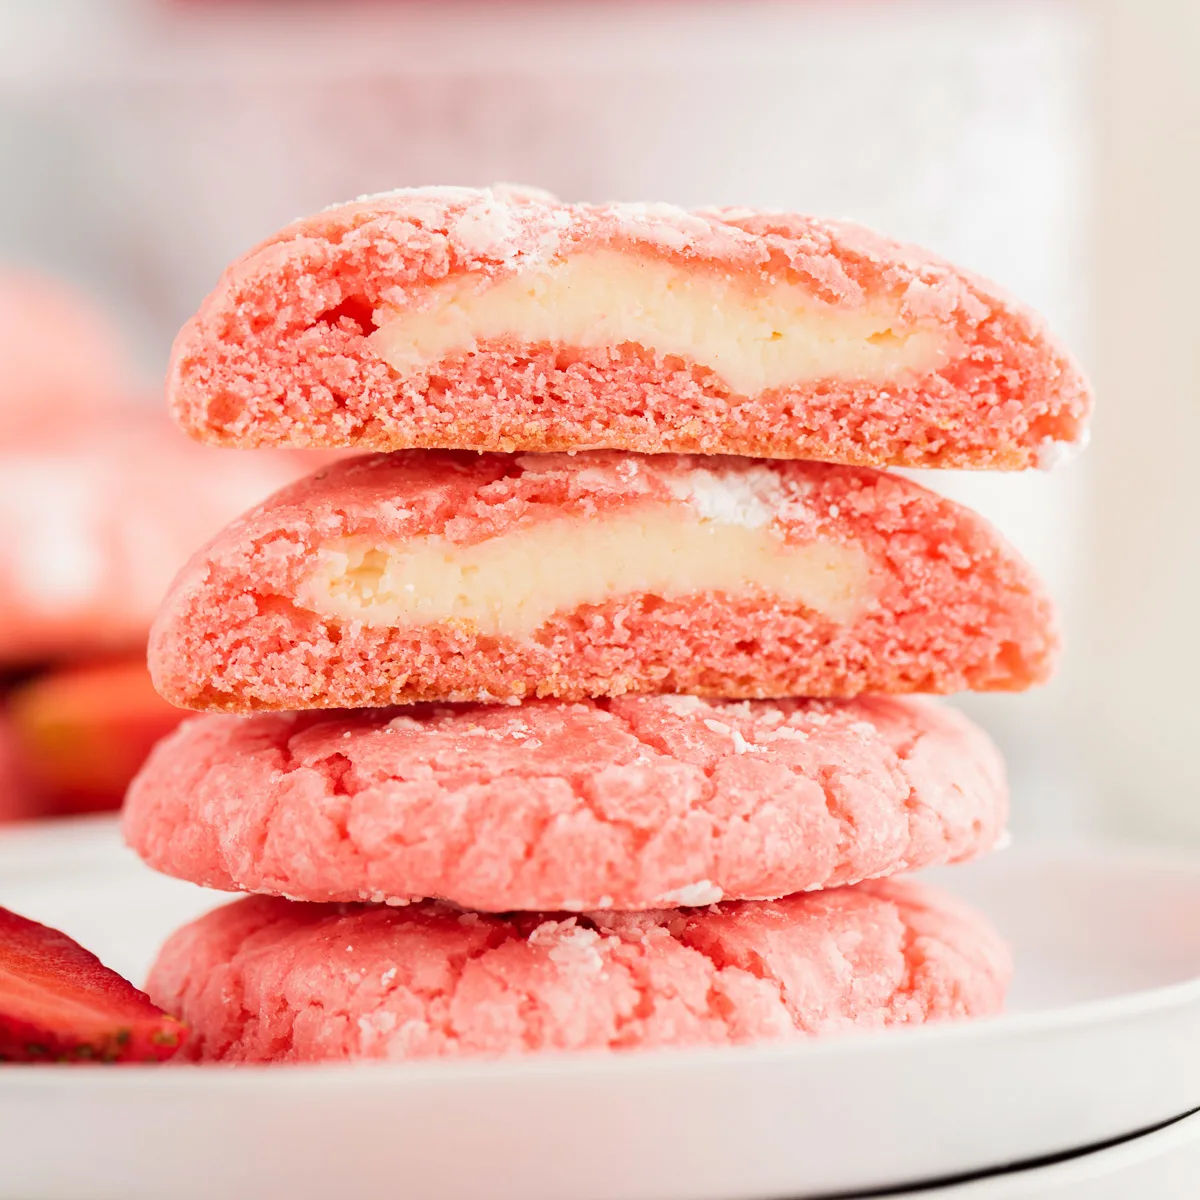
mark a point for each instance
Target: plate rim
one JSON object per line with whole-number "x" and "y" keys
{"x": 89, "y": 836}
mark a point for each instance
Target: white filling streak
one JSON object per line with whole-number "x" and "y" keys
{"x": 514, "y": 583}
{"x": 755, "y": 337}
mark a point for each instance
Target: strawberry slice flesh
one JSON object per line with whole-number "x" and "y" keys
{"x": 60, "y": 1003}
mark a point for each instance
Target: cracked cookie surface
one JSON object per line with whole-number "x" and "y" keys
{"x": 266, "y": 980}
{"x": 503, "y": 319}
{"x": 634, "y": 803}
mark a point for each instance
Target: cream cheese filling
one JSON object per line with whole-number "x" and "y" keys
{"x": 512, "y": 584}
{"x": 754, "y": 336}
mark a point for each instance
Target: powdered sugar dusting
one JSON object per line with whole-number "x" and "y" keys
{"x": 1052, "y": 453}
{"x": 904, "y": 954}
{"x": 692, "y": 895}
{"x": 577, "y": 951}
{"x": 487, "y": 229}
{"x": 571, "y": 946}
{"x": 665, "y": 224}
{"x": 683, "y": 705}
{"x": 619, "y": 807}
{"x": 375, "y": 1028}
{"x": 746, "y": 496}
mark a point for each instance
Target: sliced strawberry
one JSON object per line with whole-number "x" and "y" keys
{"x": 60, "y": 1003}
{"x": 83, "y": 731}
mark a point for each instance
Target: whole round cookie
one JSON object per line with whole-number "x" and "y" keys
{"x": 636, "y": 803}
{"x": 267, "y": 980}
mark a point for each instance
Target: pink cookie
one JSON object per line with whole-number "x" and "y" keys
{"x": 505, "y": 320}
{"x": 433, "y": 575}
{"x": 60, "y": 359}
{"x": 642, "y": 802}
{"x": 266, "y": 980}
{"x": 97, "y": 516}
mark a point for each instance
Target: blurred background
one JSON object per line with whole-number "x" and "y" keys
{"x": 1051, "y": 145}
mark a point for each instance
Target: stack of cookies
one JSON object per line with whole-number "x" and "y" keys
{"x": 577, "y": 718}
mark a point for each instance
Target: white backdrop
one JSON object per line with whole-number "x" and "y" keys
{"x": 152, "y": 143}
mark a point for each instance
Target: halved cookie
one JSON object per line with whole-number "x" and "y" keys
{"x": 429, "y": 575}
{"x": 505, "y": 320}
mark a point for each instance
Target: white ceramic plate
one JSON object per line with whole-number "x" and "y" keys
{"x": 1163, "y": 1165}
{"x": 1103, "y": 1039}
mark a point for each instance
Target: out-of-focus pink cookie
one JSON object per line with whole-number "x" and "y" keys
{"x": 267, "y": 980}
{"x": 505, "y": 320}
{"x": 95, "y": 521}
{"x": 433, "y": 575}
{"x": 633, "y": 803}
{"x": 59, "y": 358}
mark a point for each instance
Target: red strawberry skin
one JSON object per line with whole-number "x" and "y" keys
{"x": 60, "y": 1003}
{"x": 81, "y": 732}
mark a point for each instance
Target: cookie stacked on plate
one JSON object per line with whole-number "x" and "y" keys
{"x": 576, "y": 718}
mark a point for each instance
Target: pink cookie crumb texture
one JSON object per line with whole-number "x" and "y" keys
{"x": 267, "y": 980}
{"x": 97, "y": 519}
{"x": 951, "y": 605}
{"x": 281, "y": 352}
{"x": 635, "y": 803}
